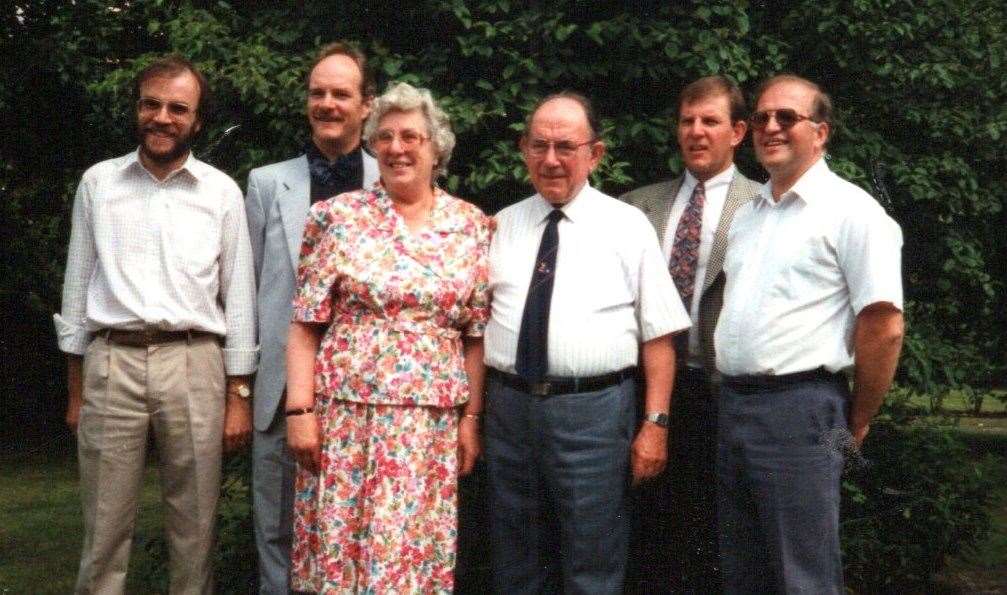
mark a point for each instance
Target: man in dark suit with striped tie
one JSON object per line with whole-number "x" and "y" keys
{"x": 692, "y": 215}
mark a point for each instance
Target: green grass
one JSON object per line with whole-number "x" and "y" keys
{"x": 40, "y": 535}
{"x": 956, "y": 402}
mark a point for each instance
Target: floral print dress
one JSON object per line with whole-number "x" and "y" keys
{"x": 381, "y": 516}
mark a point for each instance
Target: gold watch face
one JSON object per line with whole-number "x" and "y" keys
{"x": 244, "y": 392}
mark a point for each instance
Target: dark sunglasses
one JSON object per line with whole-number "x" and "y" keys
{"x": 786, "y": 118}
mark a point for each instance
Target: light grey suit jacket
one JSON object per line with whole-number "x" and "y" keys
{"x": 656, "y": 201}
{"x": 277, "y": 203}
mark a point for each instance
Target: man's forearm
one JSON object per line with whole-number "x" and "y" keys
{"x": 877, "y": 342}
{"x": 658, "y": 357}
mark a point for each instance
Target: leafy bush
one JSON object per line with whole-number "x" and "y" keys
{"x": 919, "y": 501}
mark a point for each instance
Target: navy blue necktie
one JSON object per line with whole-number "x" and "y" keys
{"x": 533, "y": 338}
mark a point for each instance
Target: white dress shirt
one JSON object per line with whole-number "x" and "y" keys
{"x": 798, "y": 273}
{"x": 172, "y": 254}
{"x": 716, "y": 195}
{"x": 611, "y": 291}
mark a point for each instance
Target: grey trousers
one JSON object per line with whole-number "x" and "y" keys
{"x": 778, "y": 483}
{"x": 558, "y": 471}
{"x": 273, "y": 504}
{"x": 176, "y": 391}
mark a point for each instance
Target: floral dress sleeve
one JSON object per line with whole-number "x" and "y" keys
{"x": 317, "y": 271}
{"x": 479, "y": 301}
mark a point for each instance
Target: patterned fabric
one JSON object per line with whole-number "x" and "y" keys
{"x": 172, "y": 254}
{"x": 685, "y": 251}
{"x": 385, "y": 520}
{"x": 398, "y": 302}
{"x": 381, "y": 515}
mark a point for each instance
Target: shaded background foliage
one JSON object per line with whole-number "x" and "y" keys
{"x": 920, "y": 89}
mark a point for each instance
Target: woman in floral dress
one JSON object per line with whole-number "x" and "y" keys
{"x": 383, "y": 402}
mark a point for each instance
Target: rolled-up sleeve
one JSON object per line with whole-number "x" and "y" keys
{"x": 237, "y": 289}
{"x": 71, "y": 329}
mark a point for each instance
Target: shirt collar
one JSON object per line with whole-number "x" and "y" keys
{"x": 808, "y": 187}
{"x": 571, "y": 210}
{"x": 724, "y": 178}
{"x": 192, "y": 167}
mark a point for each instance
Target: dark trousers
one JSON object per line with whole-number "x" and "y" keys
{"x": 778, "y": 487}
{"x": 674, "y": 544}
{"x": 558, "y": 469}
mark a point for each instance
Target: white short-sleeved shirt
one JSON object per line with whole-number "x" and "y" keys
{"x": 612, "y": 288}
{"x": 171, "y": 254}
{"x": 799, "y": 271}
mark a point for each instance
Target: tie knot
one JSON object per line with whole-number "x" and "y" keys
{"x": 555, "y": 215}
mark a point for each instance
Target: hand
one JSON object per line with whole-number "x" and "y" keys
{"x": 649, "y": 452}
{"x": 237, "y": 423}
{"x": 859, "y": 434}
{"x": 303, "y": 440}
{"x": 468, "y": 444}
{"x": 73, "y": 410}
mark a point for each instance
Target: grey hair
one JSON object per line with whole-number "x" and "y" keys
{"x": 403, "y": 97}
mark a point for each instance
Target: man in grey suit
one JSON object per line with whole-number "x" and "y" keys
{"x": 340, "y": 91}
{"x": 692, "y": 215}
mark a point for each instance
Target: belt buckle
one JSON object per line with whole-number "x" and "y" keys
{"x": 149, "y": 334}
{"x": 539, "y": 389}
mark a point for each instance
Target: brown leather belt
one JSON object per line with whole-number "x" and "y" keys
{"x": 148, "y": 337}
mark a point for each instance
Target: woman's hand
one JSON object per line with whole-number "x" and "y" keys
{"x": 304, "y": 441}
{"x": 468, "y": 444}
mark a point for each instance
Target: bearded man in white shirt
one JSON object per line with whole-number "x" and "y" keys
{"x": 813, "y": 290}
{"x": 158, "y": 324}
{"x": 692, "y": 215}
{"x": 580, "y": 293}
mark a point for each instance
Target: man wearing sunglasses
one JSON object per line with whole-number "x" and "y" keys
{"x": 813, "y": 292}
{"x": 692, "y": 215}
{"x": 339, "y": 92}
{"x": 158, "y": 323}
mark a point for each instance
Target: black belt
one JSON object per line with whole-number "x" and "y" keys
{"x": 562, "y": 386}
{"x": 751, "y": 384}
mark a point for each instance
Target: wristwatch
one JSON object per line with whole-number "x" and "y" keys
{"x": 243, "y": 391}
{"x": 659, "y": 419}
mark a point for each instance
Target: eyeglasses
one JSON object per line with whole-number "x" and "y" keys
{"x": 409, "y": 139}
{"x": 786, "y": 118}
{"x": 149, "y": 105}
{"x": 564, "y": 148}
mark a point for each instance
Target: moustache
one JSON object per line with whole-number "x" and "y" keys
{"x": 149, "y": 129}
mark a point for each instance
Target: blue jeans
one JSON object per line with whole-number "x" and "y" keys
{"x": 558, "y": 484}
{"x": 778, "y": 482}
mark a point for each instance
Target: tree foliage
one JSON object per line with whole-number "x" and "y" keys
{"x": 920, "y": 88}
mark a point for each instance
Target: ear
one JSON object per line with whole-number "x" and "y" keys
{"x": 822, "y": 134}
{"x": 368, "y": 102}
{"x": 738, "y": 130}
{"x": 597, "y": 152}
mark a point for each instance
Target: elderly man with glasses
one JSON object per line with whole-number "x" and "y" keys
{"x": 578, "y": 284}
{"x": 158, "y": 323}
{"x": 813, "y": 291}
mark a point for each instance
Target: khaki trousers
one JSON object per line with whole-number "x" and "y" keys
{"x": 175, "y": 390}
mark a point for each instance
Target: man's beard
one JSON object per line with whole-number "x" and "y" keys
{"x": 182, "y": 144}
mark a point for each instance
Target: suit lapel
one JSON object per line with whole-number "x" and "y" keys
{"x": 294, "y": 199}
{"x": 657, "y": 205}
{"x": 738, "y": 193}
